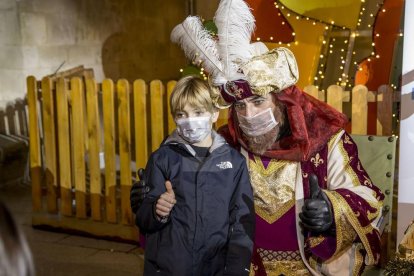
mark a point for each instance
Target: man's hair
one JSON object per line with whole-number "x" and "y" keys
{"x": 193, "y": 91}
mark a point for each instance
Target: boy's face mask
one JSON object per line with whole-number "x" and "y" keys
{"x": 258, "y": 124}
{"x": 194, "y": 129}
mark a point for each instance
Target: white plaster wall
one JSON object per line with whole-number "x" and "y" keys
{"x": 38, "y": 36}
{"x": 120, "y": 38}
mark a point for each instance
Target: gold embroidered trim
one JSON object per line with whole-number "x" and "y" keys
{"x": 345, "y": 235}
{"x": 273, "y": 187}
{"x": 340, "y": 204}
{"x": 287, "y": 268}
{"x": 347, "y": 165}
{"x": 313, "y": 263}
{"x": 274, "y": 165}
{"x": 359, "y": 258}
{"x": 271, "y": 255}
{"x": 271, "y": 218}
{"x": 377, "y": 205}
{"x": 315, "y": 241}
{"x": 276, "y": 263}
{"x": 333, "y": 139}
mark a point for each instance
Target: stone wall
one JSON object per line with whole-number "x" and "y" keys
{"x": 117, "y": 38}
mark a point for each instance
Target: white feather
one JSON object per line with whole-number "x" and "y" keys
{"x": 199, "y": 46}
{"x": 235, "y": 24}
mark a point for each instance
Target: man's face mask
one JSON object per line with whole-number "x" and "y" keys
{"x": 258, "y": 124}
{"x": 194, "y": 129}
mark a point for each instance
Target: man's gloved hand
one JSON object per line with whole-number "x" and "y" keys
{"x": 316, "y": 213}
{"x": 139, "y": 191}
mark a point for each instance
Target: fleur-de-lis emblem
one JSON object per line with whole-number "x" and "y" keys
{"x": 359, "y": 167}
{"x": 367, "y": 181}
{"x": 347, "y": 140}
{"x": 234, "y": 89}
{"x": 317, "y": 160}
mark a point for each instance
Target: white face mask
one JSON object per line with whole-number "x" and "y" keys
{"x": 258, "y": 124}
{"x": 194, "y": 129}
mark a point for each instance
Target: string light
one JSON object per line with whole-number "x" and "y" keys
{"x": 330, "y": 26}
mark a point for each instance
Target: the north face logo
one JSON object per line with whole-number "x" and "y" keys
{"x": 225, "y": 165}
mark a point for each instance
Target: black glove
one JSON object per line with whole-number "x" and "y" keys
{"x": 316, "y": 213}
{"x": 139, "y": 191}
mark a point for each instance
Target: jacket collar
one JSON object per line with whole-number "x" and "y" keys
{"x": 175, "y": 138}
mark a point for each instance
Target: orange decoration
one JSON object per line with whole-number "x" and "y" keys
{"x": 269, "y": 22}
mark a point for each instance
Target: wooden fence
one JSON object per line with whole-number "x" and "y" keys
{"x": 359, "y": 99}
{"x": 87, "y": 141}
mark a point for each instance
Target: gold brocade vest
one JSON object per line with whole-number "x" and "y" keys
{"x": 273, "y": 187}
{"x": 274, "y": 195}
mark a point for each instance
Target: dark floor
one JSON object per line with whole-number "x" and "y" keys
{"x": 63, "y": 254}
{"x": 60, "y": 254}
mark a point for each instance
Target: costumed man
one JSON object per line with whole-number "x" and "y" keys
{"x": 316, "y": 207}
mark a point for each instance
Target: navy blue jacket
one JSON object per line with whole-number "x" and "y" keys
{"x": 210, "y": 229}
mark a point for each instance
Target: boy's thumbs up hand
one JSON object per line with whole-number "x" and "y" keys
{"x": 169, "y": 188}
{"x": 316, "y": 215}
{"x": 166, "y": 201}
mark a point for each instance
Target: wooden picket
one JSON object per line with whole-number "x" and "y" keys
{"x": 65, "y": 172}
{"x": 140, "y": 127}
{"x": 92, "y": 138}
{"x": 49, "y": 144}
{"x": 108, "y": 106}
{"x": 79, "y": 170}
{"x": 157, "y": 113}
{"x": 359, "y": 97}
{"x": 36, "y": 168}
{"x": 124, "y": 148}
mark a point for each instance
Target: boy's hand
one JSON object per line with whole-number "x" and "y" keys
{"x": 166, "y": 201}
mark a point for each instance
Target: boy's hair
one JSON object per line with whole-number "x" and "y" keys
{"x": 193, "y": 91}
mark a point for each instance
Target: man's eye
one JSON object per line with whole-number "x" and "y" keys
{"x": 239, "y": 105}
{"x": 258, "y": 102}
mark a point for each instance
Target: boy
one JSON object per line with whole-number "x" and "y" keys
{"x": 198, "y": 216}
